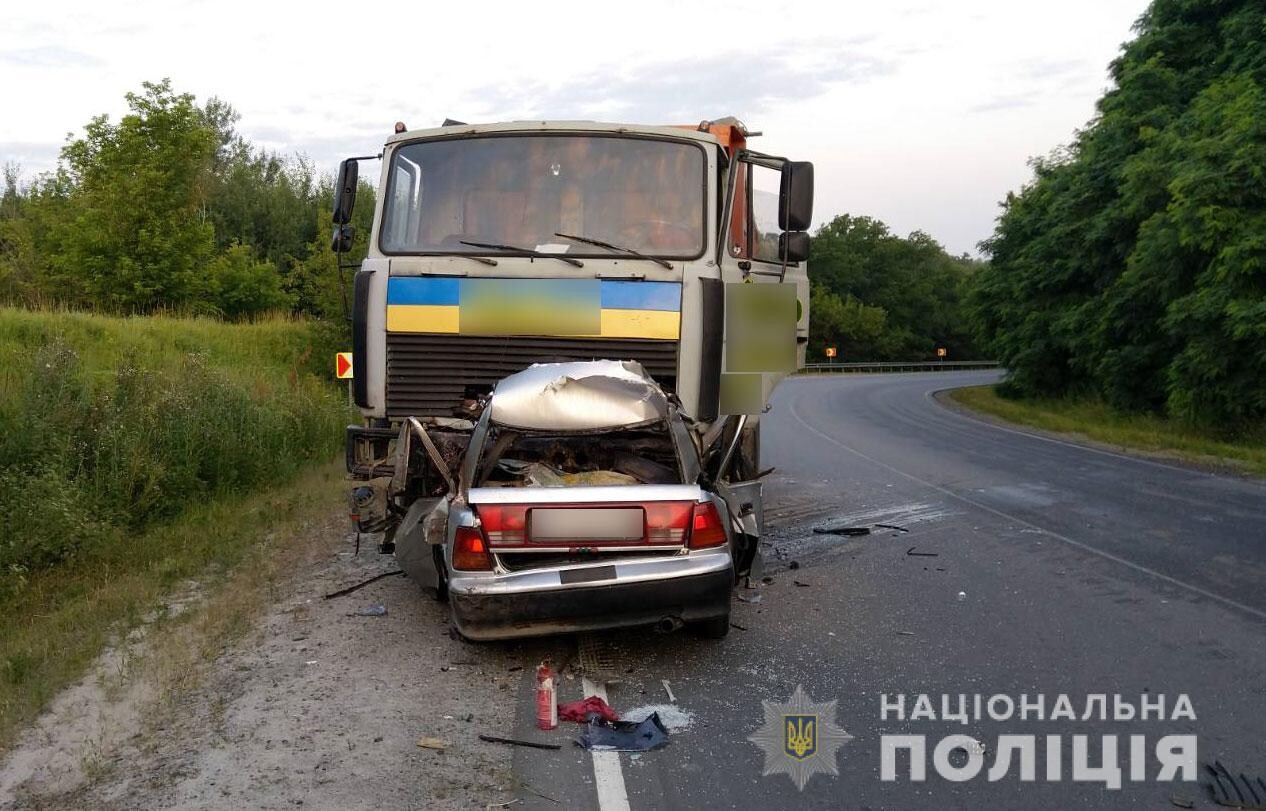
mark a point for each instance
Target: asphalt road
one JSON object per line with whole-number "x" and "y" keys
{"x": 1039, "y": 567}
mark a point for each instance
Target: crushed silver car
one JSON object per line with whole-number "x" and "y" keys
{"x": 580, "y": 504}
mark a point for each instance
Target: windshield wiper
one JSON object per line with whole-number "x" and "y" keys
{"x": 493, "y": 246}
{"x": 616, "y": 248}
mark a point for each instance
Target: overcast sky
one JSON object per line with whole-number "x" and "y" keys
{"x": 922, "y": 114}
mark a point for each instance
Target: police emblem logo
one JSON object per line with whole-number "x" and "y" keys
{"x": 800, "y": 738}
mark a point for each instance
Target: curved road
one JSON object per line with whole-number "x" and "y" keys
{"x": 1023, "y": 565}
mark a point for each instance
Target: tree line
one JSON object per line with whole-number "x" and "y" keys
{"x": 879, "y": 296}
{"x": 169, "y": 208}
{"x": 1132, "y": 268}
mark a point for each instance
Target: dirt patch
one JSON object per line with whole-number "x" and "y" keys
{"x": 312, "y": 705}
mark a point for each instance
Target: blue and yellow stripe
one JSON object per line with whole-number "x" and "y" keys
{"x": 554, "y": 307}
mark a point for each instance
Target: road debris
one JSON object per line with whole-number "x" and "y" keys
{"x": 370, "y": 611}
{"x": 906, "y": 633}
{"x": 1235, "y": 791}
{"x": 736, "y": 625}
{"x": 624, "y": 736}
{"x": 849, "y": 531}
{"x": 798, "y": 583}
{"x": 517, "y": 742}
{"x": 795, "y": 564}
{"x": 962, "y": 595}
{"x": 893, "y": 527}
{"x": 437, "y": 744}
{"x": 755, "y": 598}
{"x": 915, "y": 554}
{"x": 1182, "y": 801}
{"x": 582, "y": 711}
{"x": 669, "y": 690}
{"x": 362, "y": 584}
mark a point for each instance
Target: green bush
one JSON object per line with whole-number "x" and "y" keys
{"x": 108, "y": 426}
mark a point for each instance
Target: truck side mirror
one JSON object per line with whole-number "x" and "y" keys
{"x": 344, "y": 235}
{"x": 793, "y": 246}
{"x": 795, "y": 196}
{"x": 345, "y": 191}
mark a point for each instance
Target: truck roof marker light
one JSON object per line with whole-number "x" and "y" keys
{"x": 706, "y": 530}
{"x": 470, "y": 552}
{"x": 400, "y": 127}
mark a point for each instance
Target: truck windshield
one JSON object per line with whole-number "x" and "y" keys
{"x": 640, "y": 194}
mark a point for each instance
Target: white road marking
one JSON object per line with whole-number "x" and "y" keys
{"x": 982, "y": 506}
{"x": 608, "y": 779}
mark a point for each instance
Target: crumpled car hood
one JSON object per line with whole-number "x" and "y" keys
{"x": 582, "y": 396}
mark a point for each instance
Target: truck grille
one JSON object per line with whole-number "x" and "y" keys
{"x": 429, "y": 375}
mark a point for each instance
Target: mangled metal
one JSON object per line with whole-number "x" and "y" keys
{"x": 578, "y": 397}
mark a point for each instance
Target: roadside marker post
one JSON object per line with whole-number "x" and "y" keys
{"x": 343, "y": 371}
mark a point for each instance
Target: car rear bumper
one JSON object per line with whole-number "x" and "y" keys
{"x": 643, "y": 591}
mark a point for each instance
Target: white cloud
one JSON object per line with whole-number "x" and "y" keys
{"x": 922, "y": 115}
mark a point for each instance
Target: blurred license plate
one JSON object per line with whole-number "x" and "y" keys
{"x": 586, "y": 524}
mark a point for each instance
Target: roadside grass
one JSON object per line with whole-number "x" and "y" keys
{"x": 233, "y": 548}
{"x": 137, "y": 453}
{"x": 1146, "y": 434}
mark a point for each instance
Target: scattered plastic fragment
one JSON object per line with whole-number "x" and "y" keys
{"x": 669, "y": 690}
{"x": 624, "y": 736}
{"x": 755, "y": 598}
{"x": 893, "y": 527}
{"x": 962, "y": 595}
{"x": 736, "y": 625}
{"x": 852, "y": 531}
{"x": 580, "y": 711}
{"x": 372, "y": 611}
{"x": 915, "y": 554}
{"x": 433, "y": 743}
{"x": 1181, "y": 801}
{"x": 801, "y": 585}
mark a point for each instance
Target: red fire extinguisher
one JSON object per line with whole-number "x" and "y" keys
{"x": 546, "y": 698}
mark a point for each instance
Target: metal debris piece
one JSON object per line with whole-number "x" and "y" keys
{"x": 892, "y": 526}
{"x": 370, "y": 611}
{"x": 517, "y": 742}
{"x": 915, "y": 554}
{"x": 850, "y": 531}
{"x": 1182, "y": 801}
{"x": 755, "y": 598}
{"x": 801, "y": 585}
{"x": 669, "y": 690}
{"x": 1235, "y": 791}
{"x": 433, "y": 743}
{"x": 736, "y": 625}
{"x": 361, "y": 585}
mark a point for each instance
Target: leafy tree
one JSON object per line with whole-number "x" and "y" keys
{"x": 1133, "y": 266}
{"x": 135, "y": 230}
{"x": 885, "y": 297}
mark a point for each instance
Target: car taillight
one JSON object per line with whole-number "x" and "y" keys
{"x": 706, "y": 529}
{"x": 504, "y": 523}
{"x": 470, "y": 551}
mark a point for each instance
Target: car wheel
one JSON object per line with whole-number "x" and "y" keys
{"x": 715, "y": 628}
